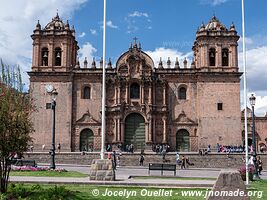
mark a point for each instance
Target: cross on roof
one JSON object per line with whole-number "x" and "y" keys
{"x": 135, "y": 38}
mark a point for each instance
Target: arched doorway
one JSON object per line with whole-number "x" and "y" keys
{"x": 86, "y": 140}
{"x": 182, "y": 140}
{"x": 135, "y": 130}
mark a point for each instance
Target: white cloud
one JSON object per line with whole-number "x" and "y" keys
{"x": 256, "y": 76}
{"x": 138, "y": 14}
{"x": 165, "y": 53}
{"x": 87, "y": 50}
{"x": 213, "y": 2}
{"x": 111, "y": 25}
{"x": 82, "y": 35}
{"x": 17, "y": 26}
{"x": 93, "y": 31}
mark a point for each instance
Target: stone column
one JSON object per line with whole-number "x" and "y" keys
{"x": 142, "y": 93}
{"x": 127, "y": 93}
{"x": 115, "y": 139}
{"x": 116, "y": 95}
{"x": 122, "y": 132}
{"x": 164, "y": 140}
{"x": 119, "y": 94}
{"x": 149, "y": 95}
{"x": 218, "y": 56}
{"x": 150, "y": 129}
{"x": 37, "y": 56}
{"x": 50, "y": 54}
{"x": 164, "y": 94}
{"x": 64, "y": 55}
{"x": 146, "y": 131}
{"x": 119, "y": 129}
{"x": 154, "y": 94}
{"x": 154, "y": 129}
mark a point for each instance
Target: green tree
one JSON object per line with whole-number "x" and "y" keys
{"x": 15, "y": 123}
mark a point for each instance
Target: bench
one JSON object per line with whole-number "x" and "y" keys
{"x": 20, "y": 162}
{"x": 162, "y": 167}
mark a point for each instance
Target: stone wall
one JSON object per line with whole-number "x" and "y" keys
{"x": 213, "y": 160}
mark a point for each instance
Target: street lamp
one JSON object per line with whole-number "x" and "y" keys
{"x": 252, "y": 100}
{"x": 53, "y": 93}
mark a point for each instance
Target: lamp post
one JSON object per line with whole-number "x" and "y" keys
{"x": 252, "y": 100}
{"x": 53, "y": 93}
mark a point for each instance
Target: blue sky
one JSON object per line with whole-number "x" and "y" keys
{"x": 164, "y": 28}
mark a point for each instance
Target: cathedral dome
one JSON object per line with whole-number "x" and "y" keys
{"x": 215, "y": 25}
{"x": 56, "y": 24}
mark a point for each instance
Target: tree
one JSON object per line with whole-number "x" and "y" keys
{"x": 15, "y": 123}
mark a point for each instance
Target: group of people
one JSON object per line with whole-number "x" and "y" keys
{"x": 159, "y": 148}
{"x": 259, "y": 163}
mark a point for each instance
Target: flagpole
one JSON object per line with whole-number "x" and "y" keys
{"x": 245, "y": 88}
{"x": 103, "y": 126}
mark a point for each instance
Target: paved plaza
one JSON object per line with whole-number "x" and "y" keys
{"x": 127, "y": 176}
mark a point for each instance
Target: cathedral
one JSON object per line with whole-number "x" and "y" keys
{"x": 187, "y": 106}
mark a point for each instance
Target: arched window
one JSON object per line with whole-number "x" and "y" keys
{"x": 182, "y": 93}
{"x": 135, "y": 91}
{"x": 212, "y": 56}
{"x": 57, "y": 56}
{"x": 225, "y": 57}
{"x": 86, "y": 92}
{"x": 44, "y": 57}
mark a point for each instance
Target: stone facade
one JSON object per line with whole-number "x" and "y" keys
{"x": 187, "y": 107}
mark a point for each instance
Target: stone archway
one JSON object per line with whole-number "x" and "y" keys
{"x": 86, "y": 140}
{"x": 182, "y": 141}
{"x": 135, "y": 130}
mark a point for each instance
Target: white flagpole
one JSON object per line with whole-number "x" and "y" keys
{"x": 103, "y": 127}
{"x": 245, "y": 88}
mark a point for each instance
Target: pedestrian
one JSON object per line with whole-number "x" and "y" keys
{"x": 178, "y": 161}
{"x": 58, "y": 147}
{"x": 183, "y": 162}
{"x": 119, "y": 159}
{"x": 31, "y": 148}
{"x": 109, "y": 155}
{"x": 43, "y": 147}
{"x": 141, "y": 160}
{"x": 114, "y": 160}
{"x": 260, "y": 167}
{"x": 209, "y": 148}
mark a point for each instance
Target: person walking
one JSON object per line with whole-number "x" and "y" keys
{"x": 58, "y": 147}
{"x": 114, "y": 160}
{"x": 183, "y": 162}
{"x": 260, "y": 167}
{"x": 141, "y": 160}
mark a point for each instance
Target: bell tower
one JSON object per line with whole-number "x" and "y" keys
{"x": 54, "y": 47}
{"x": 215, "y": 48}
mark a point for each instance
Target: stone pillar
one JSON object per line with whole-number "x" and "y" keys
{"x": 149, "y": 95}
{"x": 122, "y": 132}
{"x": 119, "y": 94}
{"x": 127, "y": 93}
{"x": 164, "y": 140}
{"x": 36, "y": 58}
{"x": 142, "y": 93}
{"x": 119, "y": 129}
{"x": 50, "y": 54}
{"x": 64, "y": 55}
{"x": 115, "y": 139}
{"x": 164, "y": 94}
{"x": 116, "y": 95}
{"x": 154, "y": 94}
{"x": 218, "y": 56}
{"x": 150, "y": 129}
{"x": 146, "y": 131}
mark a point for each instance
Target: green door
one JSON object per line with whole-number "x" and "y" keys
{"x": 135, "y": 130}
{"x": 182, "y": 140}
{"x": 86, "y": 140}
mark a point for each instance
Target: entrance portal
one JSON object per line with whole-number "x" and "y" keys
{"x": 182, "y": 140}
{"x": 86, "y": 140}
{"x": 135, "y": 130}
